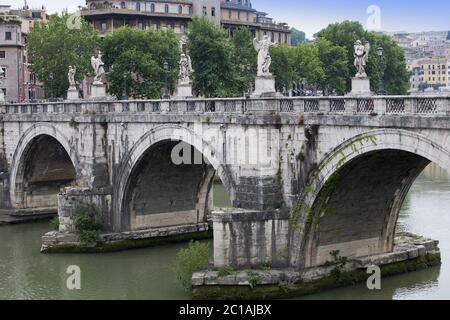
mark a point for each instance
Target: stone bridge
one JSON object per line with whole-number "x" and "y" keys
{"x": 306, "y": 176}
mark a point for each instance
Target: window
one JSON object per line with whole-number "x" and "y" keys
{"x": 152, "y": 7}
{"x": 2, "y": 54}
{"x": 6, "y": 71}
{"x": 205, "y": 11}
{"x": 213, "y": 12}
{"x": 8, "y": 36}
{"x": 122, "y": 5}
{"x": 138, "y": 6}
{"x": 180, "y": 10}
{"x": 230, "y": 14}
{"x": 103, "y": 27}
{"x": 4, "y": 91}
{"x": 166, "y": 8}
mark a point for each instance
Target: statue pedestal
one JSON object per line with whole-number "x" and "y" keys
{"x": 360, "y": 87}
{"x": 73, "y": 94}
{"x": 98, "y": 91}
{"x": 265, "y": 86}
{"x": 184, "y": 90}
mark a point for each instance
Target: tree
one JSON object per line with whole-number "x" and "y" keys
{"x": 333, "y": 61}
{"x": 307, "y": 64}
{"x": 244, "y": 57}
{"x": 137, "y": 57}
{"x": 297, "y": 37}
{"x": 283, "y": 66}
{"x": 53, "y": 47}
{"x": 212, "y": 52}
{"x": 396, "y": 76}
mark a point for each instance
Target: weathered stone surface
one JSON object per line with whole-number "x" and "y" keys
{"x": 273, "y": 154}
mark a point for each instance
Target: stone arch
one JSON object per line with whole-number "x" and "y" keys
{"x": 21, "y": 158}
{"x": 357, "y": 192}
{"x": 153, "y": 138}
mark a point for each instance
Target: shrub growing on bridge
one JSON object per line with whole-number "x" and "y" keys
{"x": 189, "y": 260}
{"x": 87, "y": 223}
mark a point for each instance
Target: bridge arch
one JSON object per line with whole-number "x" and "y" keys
{"x": 42, "y": 163}
{"x": 352, "y": 201}
{"x": 159, "y": 142}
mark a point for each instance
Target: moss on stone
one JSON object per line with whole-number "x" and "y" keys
{"x": 289, "y": 290}
{"x": 121, "y": 245}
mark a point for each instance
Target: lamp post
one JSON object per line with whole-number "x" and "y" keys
{"x": 381, "y": 89}
{"x": 166, "y": 87}
{"x": 248, "y": 68}
{"x": 124, "y": 86}
{"x": 51, "y": 85}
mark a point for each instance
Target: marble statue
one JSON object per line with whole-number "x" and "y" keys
{"x": 98, "y": 66}
{"x": 183, "y": 43}
{"x": 71, "y": 76}
{"x": 361, "y": 58}
{"x": 185, "y": 69}
{"x": 264, "y": 59}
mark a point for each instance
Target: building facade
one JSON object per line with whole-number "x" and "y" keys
{"x": 106, "y": 16}
{"x": 19, "y": 84}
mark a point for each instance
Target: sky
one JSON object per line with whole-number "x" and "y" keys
{"x": 312, "y": 16}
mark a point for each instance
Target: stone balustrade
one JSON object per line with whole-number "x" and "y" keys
{"x": 371, "y": 105}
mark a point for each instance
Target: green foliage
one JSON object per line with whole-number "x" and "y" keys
{"x": 307, "y": 64}
{"x": 189, "y": 260}
{"x": 53, "y": 47}
{"x": 253, "y": 279}
{"x": 225, "y": 271}
{"x": 139, "y": 56}
{"x": 54, "y": 223}
{"x": 339, "y": 263}
{"x": 87, "y": 223}
{"x": 282, "y": 66}
{"x": 73, "y": 123}
{"x": 297, "y": 37}
{"x": 396, "y": 75}
{"x": 244, "y": 58}
{"x": 334, "y": 65}
{"x": 211, "y": 51}
{"x": 265, "y": 267}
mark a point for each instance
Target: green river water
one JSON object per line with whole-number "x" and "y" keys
{"x": 148, "y": 273}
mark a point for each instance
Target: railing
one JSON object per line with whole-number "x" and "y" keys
{"x": 374, "y": 105}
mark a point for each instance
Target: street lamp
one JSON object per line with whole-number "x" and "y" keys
{"x": 248, "y": 68}
{"x": 166, "y": 88}
{"x": 381, "y": 90}
{"x": 124, "y": 86}
{"x": 51, "y": 85}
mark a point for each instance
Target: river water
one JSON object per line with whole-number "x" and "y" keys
{"x": 148, "y": 273}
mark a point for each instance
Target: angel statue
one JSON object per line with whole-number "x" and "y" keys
{"x": 361, "y": 58}
{"x": 71, "y": 76}
{"x": 185, "y": 69}
{"x": 98, "y": 66}
{"x": 264, "y": 59}
{"x": 2, "y": 72}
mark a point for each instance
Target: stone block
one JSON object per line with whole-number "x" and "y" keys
{"x": 73, "y": 94}
{"x": 264, "y": 86}
{"x": 184, "y": 90}
{"x": 360, "y": 87}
